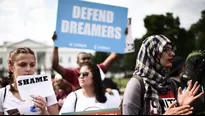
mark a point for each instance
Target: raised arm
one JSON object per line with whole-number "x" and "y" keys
{"x": 55, "y": 63}
{"x": 55, "y": 59}
{"x": 68, "y": 74}
{"x": 109, "y": 60}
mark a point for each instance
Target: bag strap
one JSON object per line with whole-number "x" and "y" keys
{"x": 174, "y": 89}
{"x": 4, "y": 94}
{"x": 76, "y": 98}
{"x": 142, "y": 85}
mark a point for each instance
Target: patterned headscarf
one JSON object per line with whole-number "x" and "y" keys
{"x": 148, "y": 67}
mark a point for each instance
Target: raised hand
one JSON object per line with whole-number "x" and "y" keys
{"x": 54, "y": 37}
{"x": 181, "y": 110}
{"x": 187, "y": 97}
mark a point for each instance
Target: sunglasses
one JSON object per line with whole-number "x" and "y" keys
{"x": 84, "y": 74}
{"x": 86, "y": 58}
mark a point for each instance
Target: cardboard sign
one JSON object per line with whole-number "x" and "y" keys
{"x": 114, "y": 111}
{"x": 93, "y": 26}
{"x": 34, "y": 85}
{"x": 130, "y": 46}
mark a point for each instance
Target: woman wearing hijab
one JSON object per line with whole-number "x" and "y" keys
{"x": 150, "y": 91}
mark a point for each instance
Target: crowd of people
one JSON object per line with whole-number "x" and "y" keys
{"x": 162, "y": 83}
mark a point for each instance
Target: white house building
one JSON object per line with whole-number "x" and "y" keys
{"x": 43, "y": 52}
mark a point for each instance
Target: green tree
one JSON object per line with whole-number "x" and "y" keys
{"x": 99, "y": 57}
{"x": 199, "y": 31}
{"x": 170, "y": 27}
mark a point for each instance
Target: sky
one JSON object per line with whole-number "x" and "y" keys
{"x": 36, "y": 19}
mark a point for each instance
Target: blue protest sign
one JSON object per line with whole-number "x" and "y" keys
{"x": 92, "y": 26}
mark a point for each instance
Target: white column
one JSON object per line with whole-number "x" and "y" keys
{"x": 48, "y": 60}
{"x": 36, "y": 59}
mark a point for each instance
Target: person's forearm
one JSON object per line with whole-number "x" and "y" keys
{"x": 113, "y": 55}
{"x": 55, "y": 60}
{"x": 109, "y": 60}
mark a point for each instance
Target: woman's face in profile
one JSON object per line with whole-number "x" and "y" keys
{"x": 167, "y": 56}
{"x": 85, "y": 77}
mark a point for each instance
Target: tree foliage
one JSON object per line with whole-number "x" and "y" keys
{"x": 199, "y": 32}
{"x": 170, "y": 27}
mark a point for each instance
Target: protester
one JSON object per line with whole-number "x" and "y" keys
{"x": 64, "y": 88}
{"x": 70, "y": 75}
{"x": 195, "y": 68}
{"x": 22, "y": 61}
{"x": 92, "y": 95}
{"x": 150, "y": 78}
{"x": 177, "y": 70}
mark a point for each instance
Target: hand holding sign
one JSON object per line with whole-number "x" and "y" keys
{"x": 40, "y": 103}
{"x": 40, "y": 85}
